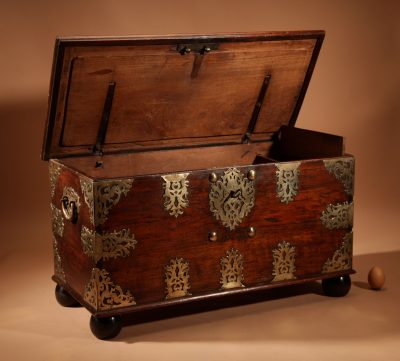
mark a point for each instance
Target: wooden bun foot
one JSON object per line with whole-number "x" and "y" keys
{"x": 105, "y": 328}
{"x": 64, "y": 298}
{"x": 336, "y": 287}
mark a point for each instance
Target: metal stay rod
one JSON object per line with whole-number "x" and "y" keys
{"x": 257, "y": 108}
{"x": 101, "y": 134}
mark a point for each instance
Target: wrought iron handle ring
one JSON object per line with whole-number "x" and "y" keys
{"x": 69, "y": 209}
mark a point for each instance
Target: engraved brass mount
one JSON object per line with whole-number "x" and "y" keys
{"x": 54, "y": 173}
{"x": 57, "y": 220}
{"x": 103, "y": 294}
{"x": 287, "y": 181}
{"x": 284, "y": 262}
{"x": 342, "y": 258}
{"x": 338, "y": 216}
{"x": 232, "y": 197}
{"x": 101, "y": 196}
{"x": 108, "y": 244}
{"x": 177, "y": 278}
{"x": 58, "y": 266}
{"x": 175, "y": 193}
{"x": 343, "y": 170}
{"x": 232, "y": 270}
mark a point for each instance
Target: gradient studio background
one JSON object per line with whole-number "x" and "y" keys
{"x": 354, "y": 92}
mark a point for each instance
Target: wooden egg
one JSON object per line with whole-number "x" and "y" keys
{"x": 376, "y": 278}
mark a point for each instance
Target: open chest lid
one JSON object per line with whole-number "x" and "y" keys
{"x": 113, "y": 95}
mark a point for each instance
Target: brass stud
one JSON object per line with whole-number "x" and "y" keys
{"x": 207, "y": 49}
{"x": 212, "y": 236}
{"x": 252, "y": 232}
{"x": 251, "y": 174}
{"x": 188, "y": 50}
{"x": 212, "y": 177}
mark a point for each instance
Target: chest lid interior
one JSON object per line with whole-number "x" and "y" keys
{"x": 116, "y": 95}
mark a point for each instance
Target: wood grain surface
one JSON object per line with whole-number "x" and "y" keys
{"x": 158, "y": 102}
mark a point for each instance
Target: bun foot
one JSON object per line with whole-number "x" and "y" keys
{"x": 64, "y": 298}
{"x": 105, "y": 328}
{"x": 336, "y": 287}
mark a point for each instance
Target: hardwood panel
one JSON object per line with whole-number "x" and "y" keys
{"x": 157, "y": 97}
{"x": 162, "y": 237}
{"x": 179, "y": 160}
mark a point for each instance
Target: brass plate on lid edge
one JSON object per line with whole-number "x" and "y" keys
{"x": 287, "y": 181}
{"x": 175, "y": 193}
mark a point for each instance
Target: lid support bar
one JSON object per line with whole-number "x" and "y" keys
{"x": 101, "y": 134}
{"x": 257, "y": 108}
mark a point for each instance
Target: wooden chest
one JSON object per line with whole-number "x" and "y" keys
{"x": 177, "y": 175}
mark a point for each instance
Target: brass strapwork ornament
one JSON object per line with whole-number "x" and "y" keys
{"x": 107, "y": 245}
{"x": 342, "y": 258}
{"x": 177, "y": 278}
{"x": 87, "y": 191}
{"x": 175, "y": 193}
{"x": 232, "y": 198}
{"x": 54, "y": 173}
{"x": 106, "y": 195}
{"x": 232, "y": 270}
{"x": 58, "y": 267}
{"x": 343, "y": 170}
{"x": 338, "y": 216}
{"x": 287, "y": 180}
{"x": 103, "y": 294}
{"x": 284, "y": 262}
{"x": 57, "y": 220}
{"x": 101, "y": 196}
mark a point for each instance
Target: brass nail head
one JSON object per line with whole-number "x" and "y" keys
{"x": 251, "y": 174}
{"x": 212, "y": 236}
{"x": 207, "y": 49}
{"x": 212, "y": 177}
{"x": 252, "y": 231}
{"x": 188, "y": 50}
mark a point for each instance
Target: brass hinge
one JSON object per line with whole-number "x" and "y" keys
{"x": 202, "y": 48}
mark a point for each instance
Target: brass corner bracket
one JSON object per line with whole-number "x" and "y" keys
{"x": 338, "y": 216}
{"x": 103, "y": 294}
{"x": 101, "y": 196}
{"x": 342, "y": 258}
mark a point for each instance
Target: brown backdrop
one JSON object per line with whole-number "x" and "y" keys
{"x": 354, "y": 92}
